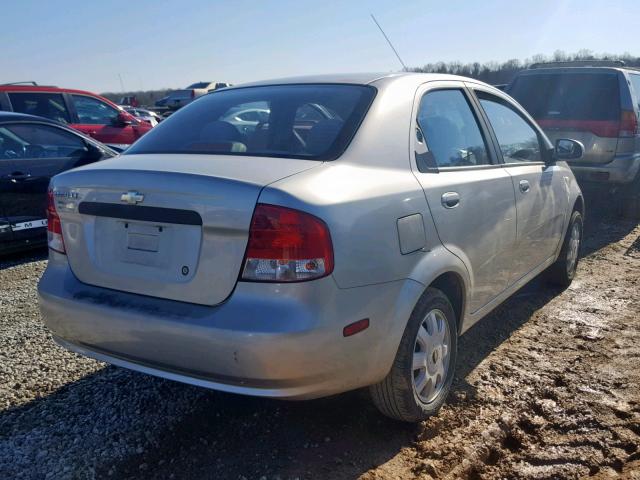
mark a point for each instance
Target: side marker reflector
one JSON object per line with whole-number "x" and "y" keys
{"x": 355, "y": 327}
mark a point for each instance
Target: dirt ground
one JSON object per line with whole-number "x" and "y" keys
{"x": 547, "y": 386}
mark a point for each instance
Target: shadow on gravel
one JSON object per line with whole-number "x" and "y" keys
{"x": 19, "y": 258}
{"x": 603, "y": 224}
{"x": 230, "y": 437}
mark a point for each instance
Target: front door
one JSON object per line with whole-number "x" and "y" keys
{"x": 470, "y": 195}
{"x": 30, "y": 154}
{"x": 99, "y": 120}
{"x": 541, "y": 190}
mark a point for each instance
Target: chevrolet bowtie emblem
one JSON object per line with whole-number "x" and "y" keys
{"x": 132, "y": 197}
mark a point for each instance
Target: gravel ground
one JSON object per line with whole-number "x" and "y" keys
{"x": 547, "y": 387}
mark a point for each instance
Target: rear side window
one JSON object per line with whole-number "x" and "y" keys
{"x": 519, "y": 141}
{"x": 30, "y": 140}
{"x": 295, "y": 121}
{"x": 48, "y": 105}
{"x": 568, "y": 96}
{"x": 92, "y": 111}
{"x": 450, "y": 129}
{"x": 635, "y": 82}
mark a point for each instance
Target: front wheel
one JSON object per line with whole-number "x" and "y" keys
{"x": 422, "y": 372}
{"x": 564, "y": 269}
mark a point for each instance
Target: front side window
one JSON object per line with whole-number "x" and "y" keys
{"x": 48, "y": 105}
{"x": 92, "y": 111}
{"x": 264, "y": 121}
{"x": 451, "y": 131}
{"x": 519, "y": 141}
{"x": 31, "y": 141}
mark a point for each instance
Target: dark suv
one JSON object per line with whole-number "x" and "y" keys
{"x": 596, "y": 103}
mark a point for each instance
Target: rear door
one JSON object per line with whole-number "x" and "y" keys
{"x": 99, "y": 120}
{"x": 470, "y": 195}
{"x": 30, "y": 154}
{"x": 541, "y": 190}
{"x": 575, "y": 103}
{"x": 42, "y": 104}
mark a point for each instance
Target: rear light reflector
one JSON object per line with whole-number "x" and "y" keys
{"x": 54, "y": 227}
{"x": 287, "y": 245}
{"x": 628, "y": 124}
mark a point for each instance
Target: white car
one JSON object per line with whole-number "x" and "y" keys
{"x": 148, "y": 116}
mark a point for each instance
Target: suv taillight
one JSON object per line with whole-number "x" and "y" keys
{"x": 628, "y": 124}
{"x": 54, "y": 227}
{"x": 287, "y": 245}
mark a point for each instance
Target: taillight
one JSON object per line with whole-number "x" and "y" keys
{"x": 601, "y": 128}
{"x": 54, "y": 227}
{"x": 628, "y": 124}
{"x": 287, "y": 245}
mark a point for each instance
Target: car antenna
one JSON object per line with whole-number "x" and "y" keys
{"x": 389, "y": 42}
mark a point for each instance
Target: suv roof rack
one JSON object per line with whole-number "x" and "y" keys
{"x": 21, "y": 83}
{"x": 32, "y": 83}
{"x": 580, "y": 63}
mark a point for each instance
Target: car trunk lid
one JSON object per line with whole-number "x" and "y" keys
{"x": 170, "y": 226}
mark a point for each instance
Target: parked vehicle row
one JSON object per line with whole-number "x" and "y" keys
{"x": 179, "y": 98}
{"x": 86, "y": 112}
{"x": 311, "y": 236}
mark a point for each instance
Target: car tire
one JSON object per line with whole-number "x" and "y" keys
{"x": 563, "y": 271}
{"x": 411, "y": 392}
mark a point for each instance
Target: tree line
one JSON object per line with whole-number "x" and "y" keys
{"x": 497, "y": 73}
{"x": 494, "y": 73}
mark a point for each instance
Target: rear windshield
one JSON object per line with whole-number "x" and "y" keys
{"x": 569, "y": 96}
{"x": 296, "y": 121}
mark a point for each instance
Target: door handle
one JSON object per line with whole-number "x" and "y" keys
{"x": 450, "y": 199}
{"x": 18, "y": 176}
{"x": 524, "y": 186}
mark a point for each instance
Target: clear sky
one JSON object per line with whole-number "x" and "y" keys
{"x": 156, "y": 44}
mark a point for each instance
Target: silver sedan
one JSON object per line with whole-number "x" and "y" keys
{"x": 346, "y": 240}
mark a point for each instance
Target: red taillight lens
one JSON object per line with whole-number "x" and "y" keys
{"x": 628, "y": 124}
{"x": 287, "y": 245}
{"x": 601, "y": 128}
{"x": 54, "y": 227}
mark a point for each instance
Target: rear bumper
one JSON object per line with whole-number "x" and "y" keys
{"x": 621, "y": 170}
{"x": 273, "y": 340}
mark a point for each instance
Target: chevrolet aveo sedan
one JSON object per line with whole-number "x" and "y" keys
{"x": 345, "y": 238}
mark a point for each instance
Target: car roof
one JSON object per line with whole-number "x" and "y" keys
{"x": 358, "y": 79}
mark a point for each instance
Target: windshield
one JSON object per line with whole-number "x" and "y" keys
{"x": 568, "y": 96}
{"x": 297, "y": 121}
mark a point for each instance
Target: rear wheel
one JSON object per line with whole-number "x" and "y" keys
{"x": 564, "y": 269}
{"x": 422, "y": 372}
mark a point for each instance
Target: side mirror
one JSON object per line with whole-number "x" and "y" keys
{"x": 122, "y": 120}
{"x": 567, "y": 149}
